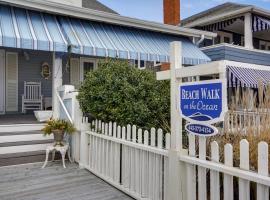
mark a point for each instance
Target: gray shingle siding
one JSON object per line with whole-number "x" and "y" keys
{"x": 239, "y": 55}
{"x": 96, "y": 5}
{"x": 31, "y": 71}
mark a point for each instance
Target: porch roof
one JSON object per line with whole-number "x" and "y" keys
{"x": 27, "y": 29}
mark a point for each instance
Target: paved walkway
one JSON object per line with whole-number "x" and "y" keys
{"x": 30, "y": 182}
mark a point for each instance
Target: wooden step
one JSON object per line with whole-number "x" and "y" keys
{"x": 11, "y": 128}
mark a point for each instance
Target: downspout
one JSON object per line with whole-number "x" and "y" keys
{"x": 201, "y": 40}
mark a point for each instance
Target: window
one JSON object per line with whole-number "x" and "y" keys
{"x": 223, "y": 37}
{"x": 87, "y": 65}
{"x": 264, "y": 45}
{"x": 140, "y": 64}
{"x": 227, "y": 40}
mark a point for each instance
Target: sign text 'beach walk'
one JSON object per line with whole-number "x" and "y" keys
{"x": 203, "y": 103}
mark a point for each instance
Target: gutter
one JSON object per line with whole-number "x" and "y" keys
{"x": 88, "y": 14}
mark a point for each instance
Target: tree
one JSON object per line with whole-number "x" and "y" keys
{"x": 120, "y": 93}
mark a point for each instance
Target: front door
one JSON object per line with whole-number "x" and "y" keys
{"x": 87, "y": 65}
{"x": 11, "y": 82}
{"x": 2, "y": 82}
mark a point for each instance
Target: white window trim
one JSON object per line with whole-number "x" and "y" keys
{"x": 82, "y": 61}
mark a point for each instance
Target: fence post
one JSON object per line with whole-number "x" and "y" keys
{"x": 175, "y": 187}
{"x": 84, "y": 141}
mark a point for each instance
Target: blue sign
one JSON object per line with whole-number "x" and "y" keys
{"x": 203, "y": 101}
{"x": 201, "y": 129}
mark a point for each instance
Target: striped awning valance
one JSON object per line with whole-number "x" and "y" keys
{"x": 107, "y": 40}
{"x": 21, "y": 28}
{"x": 220, "y": 25}
{"x": 247, "y": 77}
{"x": 260, "y": 23}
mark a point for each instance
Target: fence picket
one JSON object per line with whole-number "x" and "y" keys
{"x": 124, "y": 179}
{"x": 139, "y": 175}
{"x": 159, "y": 163}
{"x": 134, "y": 161}
{"x": 145, "y": 179}
{"x": 214, "y": 175}
{"x": 228, "y": 179}
{"x": 152, "y": 167}
{"x": 244, "y": 185}
{"x": 202, "y": 171}
{"x": 128, "y": 157}
{"x": 166, "y": 166}
{"x": 263, "y": 191}
{"x": 191, "y": 170}
{"x": 117, "y": 156}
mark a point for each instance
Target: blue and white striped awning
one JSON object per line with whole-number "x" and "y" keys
{"x": 260, "y": 23}
{"x": 100, "y": 39}
{"x": 247, "y": 77}
{"x": 21, "y": 28}
{"x": 26, "y": 29}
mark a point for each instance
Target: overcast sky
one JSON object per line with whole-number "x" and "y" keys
{"x": 153, "y": 9}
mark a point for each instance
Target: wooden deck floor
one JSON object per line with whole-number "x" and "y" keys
{"x": 30, "y": 182}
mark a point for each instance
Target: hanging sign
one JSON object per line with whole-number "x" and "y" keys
{"x": 203, "y": 103}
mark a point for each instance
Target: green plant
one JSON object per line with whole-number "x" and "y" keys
{"x": 124, "y": 94}
{"x": 58, "y": 124}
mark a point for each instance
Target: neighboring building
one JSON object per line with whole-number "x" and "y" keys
{"x": 242, "y": 45}
{"x": 243, "y": 30}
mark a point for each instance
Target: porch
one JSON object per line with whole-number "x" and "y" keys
{"x": 31, "y": 182}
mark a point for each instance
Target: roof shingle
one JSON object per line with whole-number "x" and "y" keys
{"x": 96, "y": 5}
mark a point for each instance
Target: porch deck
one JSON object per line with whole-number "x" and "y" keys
{"x": 18, "y": 119}
{"x": 31, "y": 182}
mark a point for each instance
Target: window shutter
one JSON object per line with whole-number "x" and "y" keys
{"x": 2, "y": 81}
{"x": 75, "y": 72}
{"x": 11, "y": 82}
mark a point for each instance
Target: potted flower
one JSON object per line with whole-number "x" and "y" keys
{"x": 58, "y": 127}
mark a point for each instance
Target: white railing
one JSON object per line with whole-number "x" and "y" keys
{"x": 129, "y": 158}
{"x": 244, "y": 122}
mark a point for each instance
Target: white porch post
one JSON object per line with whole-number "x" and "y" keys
{"x": 248, "y": 31}
{"x": 57, "y": 81}
{"x": 176, "y": 126}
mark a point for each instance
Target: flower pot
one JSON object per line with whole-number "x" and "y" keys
{"x": 58, "y": 137}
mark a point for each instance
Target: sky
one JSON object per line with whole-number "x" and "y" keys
{"x": 152, "y": 10}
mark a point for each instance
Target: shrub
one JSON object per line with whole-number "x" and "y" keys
{"x": 124, "y": 94}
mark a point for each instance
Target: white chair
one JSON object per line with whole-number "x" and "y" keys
{"x": 32, "y": 98}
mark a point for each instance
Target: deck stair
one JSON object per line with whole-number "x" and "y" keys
{"x": 22, "y": 143}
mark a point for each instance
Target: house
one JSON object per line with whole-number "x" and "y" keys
{"x": 56, "y": 42}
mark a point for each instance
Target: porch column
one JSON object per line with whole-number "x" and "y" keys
{"x": 248, "y": 31}
{"x": 57, "y": 81}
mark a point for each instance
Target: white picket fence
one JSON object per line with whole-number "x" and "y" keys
{"x": 136, "y": 162}
{"x": 210, "y": 185}
{"x": 133, "y": 160}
